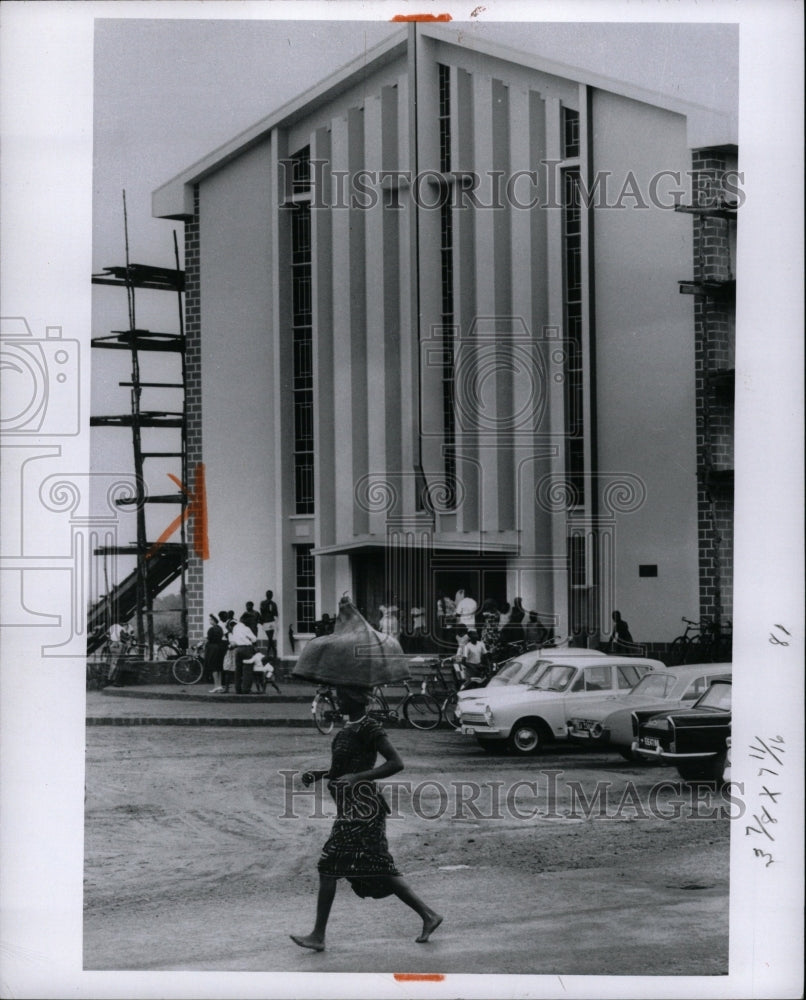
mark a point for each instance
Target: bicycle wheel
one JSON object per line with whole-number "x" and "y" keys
{"x": 422, "y": 711}
{"x": 449, "y": 710}
{"x": 324, "y": 713}
{"x": 677, "y": 651}
{"x": 376, "y": 706}
{"x": 165, "y": 651}
{"x": 187, "y": 669}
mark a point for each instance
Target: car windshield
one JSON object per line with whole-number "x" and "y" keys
{"x": 655, "y": 685}
{"x": 555, "y": 678}
{"x": 717, "y": 696}
{"x": 518, "y": 672}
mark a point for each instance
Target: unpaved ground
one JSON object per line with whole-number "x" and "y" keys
{"x": 193, "y": 861}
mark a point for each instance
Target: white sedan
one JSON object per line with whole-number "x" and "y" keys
{"x": 525, "y": 715}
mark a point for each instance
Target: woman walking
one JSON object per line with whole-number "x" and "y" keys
{"x": 357, "y": 849}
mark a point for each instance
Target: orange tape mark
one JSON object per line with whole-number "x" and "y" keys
{"x": 419, "y": 977}
{"x": 403, "y": 18}
{"x": 196, "y": 509}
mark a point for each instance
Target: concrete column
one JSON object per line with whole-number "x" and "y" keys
{"x": 480, "y": 387}
{"x": 466, "y": 297}
{"x": 344, "y": 381}
{"x": 554, "y": 262}
{"x": 376, "y": 361}
{"x": 324, "y": 390}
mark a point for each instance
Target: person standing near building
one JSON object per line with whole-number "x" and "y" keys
{"x": 357, "y": 848}
{"x": 621, "y": 632}
{"x": 250, "y": 617}
{"x": 466, "y": 608}
{"x": 227, "y": 619}
{"x": 214, "y": 653}
{"x": 269, "y": 619}
{"x": 243, "y": 640}
{"x": 517, "y": 614}
{"x": 390, "y": 623}
{"x": 475, "y": 661}
{"x": 417, "y": 629}
{"x": 490, "y": 627}
{"x": 118, "y": 637}
{"x": 446, "y": 616}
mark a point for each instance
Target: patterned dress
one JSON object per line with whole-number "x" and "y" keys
{"x": 357, "y": 849}
{"x": 491, "y": 634}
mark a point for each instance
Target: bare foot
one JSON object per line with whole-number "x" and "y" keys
{"x": 314, "y": 943}
{"x": 430, "y": 924}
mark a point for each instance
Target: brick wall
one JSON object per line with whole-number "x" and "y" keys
{"x": 194, "y": 579}
{"x": 714, "y": 326}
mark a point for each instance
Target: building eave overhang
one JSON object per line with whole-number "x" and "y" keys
{"x": 174, "y": 199}
{"x": 706, "y": 126}
{"x": 473, "y": 545}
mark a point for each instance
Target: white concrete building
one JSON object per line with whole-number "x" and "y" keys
{"x": 436, "y": 338}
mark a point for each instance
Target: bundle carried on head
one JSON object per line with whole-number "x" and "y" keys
{"x": 355, "y": 654}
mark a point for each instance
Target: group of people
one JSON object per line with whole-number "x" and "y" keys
{"x": 405, "y": 624}
{"x": 492, "y": 624}
{"x": 242, "y": 651}
{"x": 483, "y": 632}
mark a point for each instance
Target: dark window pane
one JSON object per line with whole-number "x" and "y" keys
{"x": 570, "y": 132}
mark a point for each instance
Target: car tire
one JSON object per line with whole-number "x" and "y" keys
{"x": 526, "y": 738}
{"x": 627, "y": 754}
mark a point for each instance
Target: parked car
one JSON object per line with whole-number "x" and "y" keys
{"x": 525, "y": 668}
{"x": 695, "y": 740}
{"x": 525, "y": 716}
{"x": 608, "y": 721}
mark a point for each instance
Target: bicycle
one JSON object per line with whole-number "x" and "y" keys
{"x": 325, "y": 710}
{"x": 697, "y": 648}
{"x": 171, "y": 649}
{"x": 420, "y": 709}
{"x": 716, "y": 643}
{"x": 188, "y": 668}
{"x": 445, "y": 694}
{"x": 115, "y": 659}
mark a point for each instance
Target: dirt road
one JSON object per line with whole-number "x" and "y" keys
{"x": 200, "y": 854}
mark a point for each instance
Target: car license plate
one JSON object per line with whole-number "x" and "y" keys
{"x": 468, "y": 731}
{"x": 649, "y": 741}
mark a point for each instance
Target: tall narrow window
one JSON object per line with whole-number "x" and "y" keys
{"x": 305, "y": 588}
{"x": 572, "y": 307}
{"x": 577, "y": 581}
{"x": 444, "y": 118}
{"x": 302, "y": 337}
{"x": 570, "y": 133}
{"x": 301, "y": 171}
{"x": 446, "y": 276}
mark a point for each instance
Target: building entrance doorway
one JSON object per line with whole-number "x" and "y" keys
{"x": 415, "y": 579}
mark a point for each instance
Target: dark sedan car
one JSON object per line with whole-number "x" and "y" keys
{"x": 693, "y": 739}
